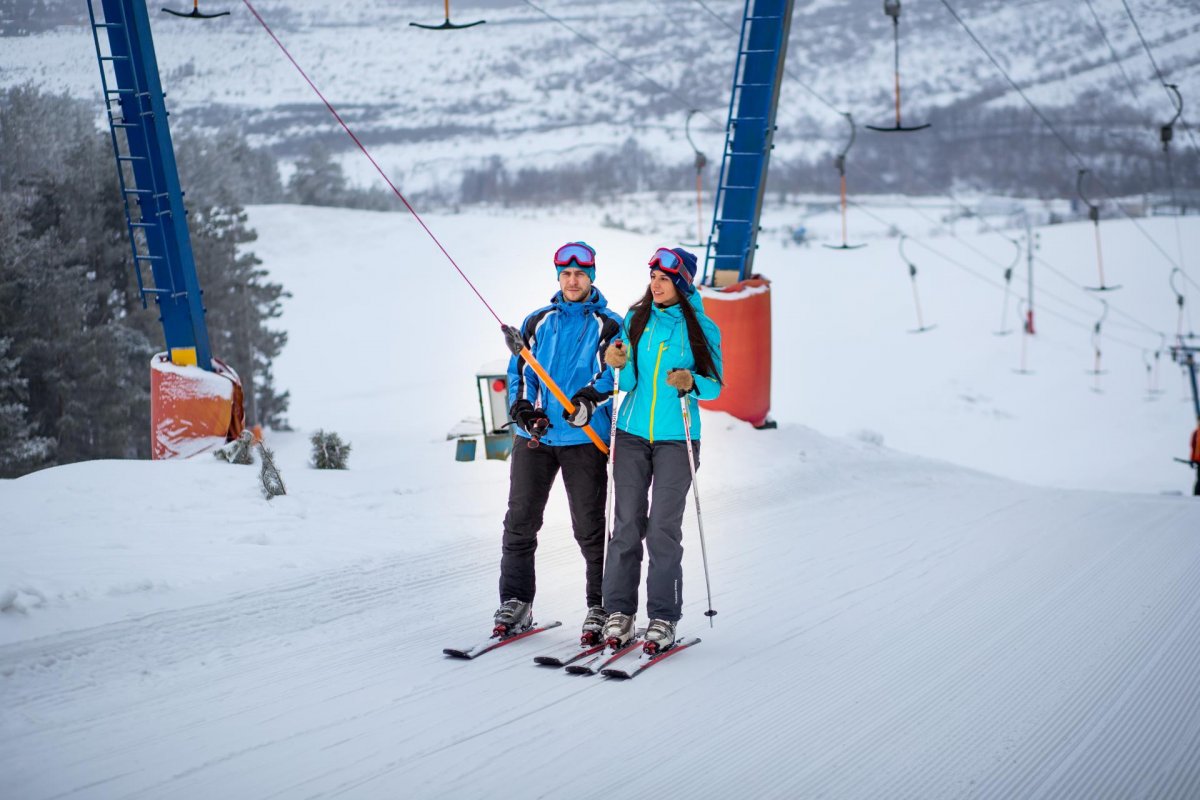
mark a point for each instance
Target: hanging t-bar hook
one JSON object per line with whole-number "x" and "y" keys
{"x": 892, "y": 9}
{"x": 1008, "y": 275}
{"x": 1096, "y": 331}
{"x": 447, "y": 25}
{"x": 196, "y": 13}
{"x": 1094, "y": 216}
{"x": 1022, "y": 311}
{"x": 701, "y": 162}
{"x": 912, "y": 274}
{"x": 840, "y": 164}
{"x": 1179, "y": 301}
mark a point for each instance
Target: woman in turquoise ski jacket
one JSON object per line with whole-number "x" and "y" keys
{"x": 674, "y": 351}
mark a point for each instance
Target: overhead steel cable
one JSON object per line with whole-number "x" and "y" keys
{"x": 1153, "y": 62}
{"x": 996, "y": 284}
{"x": 371, "y": 158}
{"x": 985, "y": 278}
{"x": 685, "y": 102}
{"x": 1054, "y": 270}
{"x": 1040, "y": 260}
{"x": 803, "y": 84}
{"x": 1116, "y": 59}
{"x": 1063, "y": 141}
{"x": 513, "y": 336}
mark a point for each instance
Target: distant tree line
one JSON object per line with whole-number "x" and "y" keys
{"x": 75, "y": 342}
{"x": 1002, "y": 151}
{"x": 629, "y": 168}
{"x": 1006, "y": 151}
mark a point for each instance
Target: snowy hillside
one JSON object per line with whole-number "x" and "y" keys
{"x": 528, "y": 89}
{"x": 889, "y": 626}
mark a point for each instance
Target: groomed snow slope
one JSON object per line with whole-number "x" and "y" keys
{"x": 935, "y": 632}
{"x": 929, "y": 632}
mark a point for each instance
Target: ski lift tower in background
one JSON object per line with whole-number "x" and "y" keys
{"x": 196, "y": 401}
{"x": 737, "y": 298}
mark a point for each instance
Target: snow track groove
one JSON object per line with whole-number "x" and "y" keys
{"x": 944, "y": 636}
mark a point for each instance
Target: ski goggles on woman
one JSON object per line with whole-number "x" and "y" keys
{"x": 668, "y": 261}
{"x": 578, "y": 252}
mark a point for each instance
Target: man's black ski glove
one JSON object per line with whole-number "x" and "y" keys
{"x": 585, "y": 402}
{"x": 532, "y": 420}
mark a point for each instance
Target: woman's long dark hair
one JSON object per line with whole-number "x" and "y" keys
{"x": 701, "y": 351}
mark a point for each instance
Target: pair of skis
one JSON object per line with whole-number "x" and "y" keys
{"x": 618, "y": 662}
{"x": 584, "y": 659}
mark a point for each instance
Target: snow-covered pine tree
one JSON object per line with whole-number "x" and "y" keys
{"x": 272, "y": 481}
{"x": 68, "y": 296}
{"x": 241, "y": 302}
{"x": 239, "y": 451}
{"x": 20, "y": 449}
{"x": 318, "y": 179}
{"x": 329, "y": 451}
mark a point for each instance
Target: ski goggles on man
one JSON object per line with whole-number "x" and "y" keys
{"x": 668, "y": 261}
{"x": 578, "y": 252}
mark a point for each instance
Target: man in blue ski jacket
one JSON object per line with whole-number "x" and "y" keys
{"x": 568, "y": 338}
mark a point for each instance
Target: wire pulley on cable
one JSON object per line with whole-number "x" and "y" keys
{"x": 1168, "y": 130}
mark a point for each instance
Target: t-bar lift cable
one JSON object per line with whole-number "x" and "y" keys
{"x": 512, "y": 335}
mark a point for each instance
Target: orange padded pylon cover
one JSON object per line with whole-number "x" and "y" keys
{"x": 743, "y": 313}
{"x": 192, "y": 410}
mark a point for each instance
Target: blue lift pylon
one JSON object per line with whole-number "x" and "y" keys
{"x": 758, "y": 75}
{"x": 148, "y": 176}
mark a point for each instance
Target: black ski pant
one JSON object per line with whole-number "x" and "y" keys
{"x": 651, "y": 480}
{"x": 531, "y": 475}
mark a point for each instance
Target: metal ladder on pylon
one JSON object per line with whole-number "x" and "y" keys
{"x": 148, "y": 176}
{"x": 757, "y": 77}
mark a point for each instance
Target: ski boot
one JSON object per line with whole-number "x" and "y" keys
{"x": 660, "y": 636}
{"x": 593, "y": 624}
{"x": 513, "y": 617}
{"x": 618, "y": 630}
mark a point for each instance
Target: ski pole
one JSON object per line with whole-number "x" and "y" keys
{"x": 687, "y": 434}
{"x": 609, "y": 524}
{"x": 516, "y": 343}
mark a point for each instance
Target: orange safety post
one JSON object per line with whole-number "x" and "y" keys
{"x": 192, "y": 410}
{"x": 743, "y": 313}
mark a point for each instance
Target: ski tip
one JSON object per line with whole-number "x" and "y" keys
{"x": 574, "y": 669}
{"x": 455, "y": 653}
{"x": 616, "y": 673}
{"x": 548, "y": 661}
